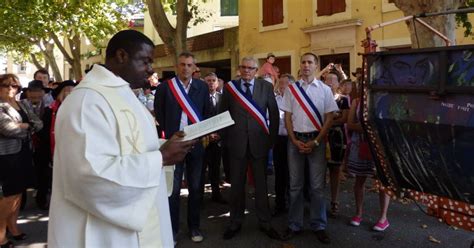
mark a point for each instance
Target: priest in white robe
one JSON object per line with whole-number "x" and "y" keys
{"x": 109, "y": 187}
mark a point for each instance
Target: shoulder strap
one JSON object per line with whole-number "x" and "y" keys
{"x": 184, "y": 101}
{"x": 248, "y": 104}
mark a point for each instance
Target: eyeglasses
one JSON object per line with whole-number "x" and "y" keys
{"x": 8, "y": 86}
{"x": 243, "y": 67}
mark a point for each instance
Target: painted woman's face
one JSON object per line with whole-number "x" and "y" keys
{"x": 413, "y": 70}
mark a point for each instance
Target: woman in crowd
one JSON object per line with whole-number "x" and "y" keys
{"x": 337, "y": 141}
{"x": 361, "y": 165}
{"x": 59, "y": 94}
{"x": 47, "y": 135}
{"x": 17, "y": 122}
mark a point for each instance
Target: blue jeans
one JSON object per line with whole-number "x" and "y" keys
{"x": 317, "y": 175}
{"x": 193, "y": 170}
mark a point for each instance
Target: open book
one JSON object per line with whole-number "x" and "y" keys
{"x": 208, "y": 126}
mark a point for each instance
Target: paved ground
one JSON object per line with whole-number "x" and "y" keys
{"x": 409, "y": 227}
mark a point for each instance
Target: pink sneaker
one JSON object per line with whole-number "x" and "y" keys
{"x": 381, "y": 226}
{"x": 356, "y": 220}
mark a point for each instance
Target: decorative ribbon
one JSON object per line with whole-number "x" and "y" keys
{"x": 307, "y": 105}
{"x": 184, "y": 101}
{"x": 248, "y": 104}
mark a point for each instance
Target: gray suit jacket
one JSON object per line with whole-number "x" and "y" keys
{"x": 11, "y": 135}
{"x": 246, "y": 129}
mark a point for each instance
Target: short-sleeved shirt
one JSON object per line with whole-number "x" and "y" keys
{"x": 321, "y": 96}
{"x": 267, "y": 69}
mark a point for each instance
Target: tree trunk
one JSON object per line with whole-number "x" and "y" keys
{"x": 75, "y": 48}
{"x": 173, "y": 38}
{"x": 48, "y": 53}
{"x": 422, "y": 37}
{"x": 36, "y": 62}
{"x": 73, "y": 60}
{"x": 182, "y": 20}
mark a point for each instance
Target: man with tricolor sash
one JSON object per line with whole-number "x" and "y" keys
{"x": 179, "y": 102}
{"x": 309, "y": 107}
{"x": 248, "y": 141}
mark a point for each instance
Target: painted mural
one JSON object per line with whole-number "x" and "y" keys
{"x": 428, "y": 141}
{"x": 405, "y": 70}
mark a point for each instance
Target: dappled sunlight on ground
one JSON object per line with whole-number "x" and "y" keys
{"x": 226, "y": 215}
{"x": 32, "y": 218}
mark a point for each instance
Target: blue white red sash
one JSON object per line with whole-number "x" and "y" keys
{"x": 248, "y": 104}
{"x": 184, "y": 101}
{"x": 307, "y": 105}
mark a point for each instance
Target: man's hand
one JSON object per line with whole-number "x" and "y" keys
{"x": 174, "y": 150}
{"x": 310, "y": 144}
{"x": 338, "y": 68}
{"x": 302, "y": 148}
{"x": 24, "y": 125}
{"x": 328, "y": 67}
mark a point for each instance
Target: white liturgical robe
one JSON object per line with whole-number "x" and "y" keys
{"x": 103, "y": 194}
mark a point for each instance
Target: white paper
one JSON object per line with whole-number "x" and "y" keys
{"x": 208, "y": 126}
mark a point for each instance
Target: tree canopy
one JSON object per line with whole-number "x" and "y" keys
{"x": 35, "y": 27}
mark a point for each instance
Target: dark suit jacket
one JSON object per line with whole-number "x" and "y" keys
{"x": 167, "y": 109}
{"x": 215, "y": 110}
{"x": 246, "y": 129}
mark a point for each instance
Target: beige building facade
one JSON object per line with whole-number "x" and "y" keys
{"x": 332, "y": 29}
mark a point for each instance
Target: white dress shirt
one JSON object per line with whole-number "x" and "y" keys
{"x": 321, "y": 96}
{"x": 213, "y": 98}
{"x": 184, "y": 117}
{"x": 244, "y": 88}
{"x": 281, "y": 127}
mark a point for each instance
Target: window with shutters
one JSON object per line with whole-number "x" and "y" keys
{"x": 229, "y": 7}
{"x": 272, "y": 11}
{"x": 330, "y": 7}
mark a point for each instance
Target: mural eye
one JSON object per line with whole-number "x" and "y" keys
{"x": 423, "y": 64}
{"x": 401, "y": 66}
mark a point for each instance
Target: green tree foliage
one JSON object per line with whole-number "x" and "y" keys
{"x": 463, "y": 19}
{"x": 35, "y": 26}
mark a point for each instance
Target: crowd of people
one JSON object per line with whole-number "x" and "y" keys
{"x": 27, "y": 118}
{"x": 115, "y": 169}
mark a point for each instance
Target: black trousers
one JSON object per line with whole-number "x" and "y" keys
{"x": 225, "y": 163}
{"x": 212, "y": 161}
{"x": 238, "y": 171}
{"x": 280, "y": 162}
{"x": 44, "y": 176}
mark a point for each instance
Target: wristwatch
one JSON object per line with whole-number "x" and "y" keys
{"x": 316, "y": 142}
